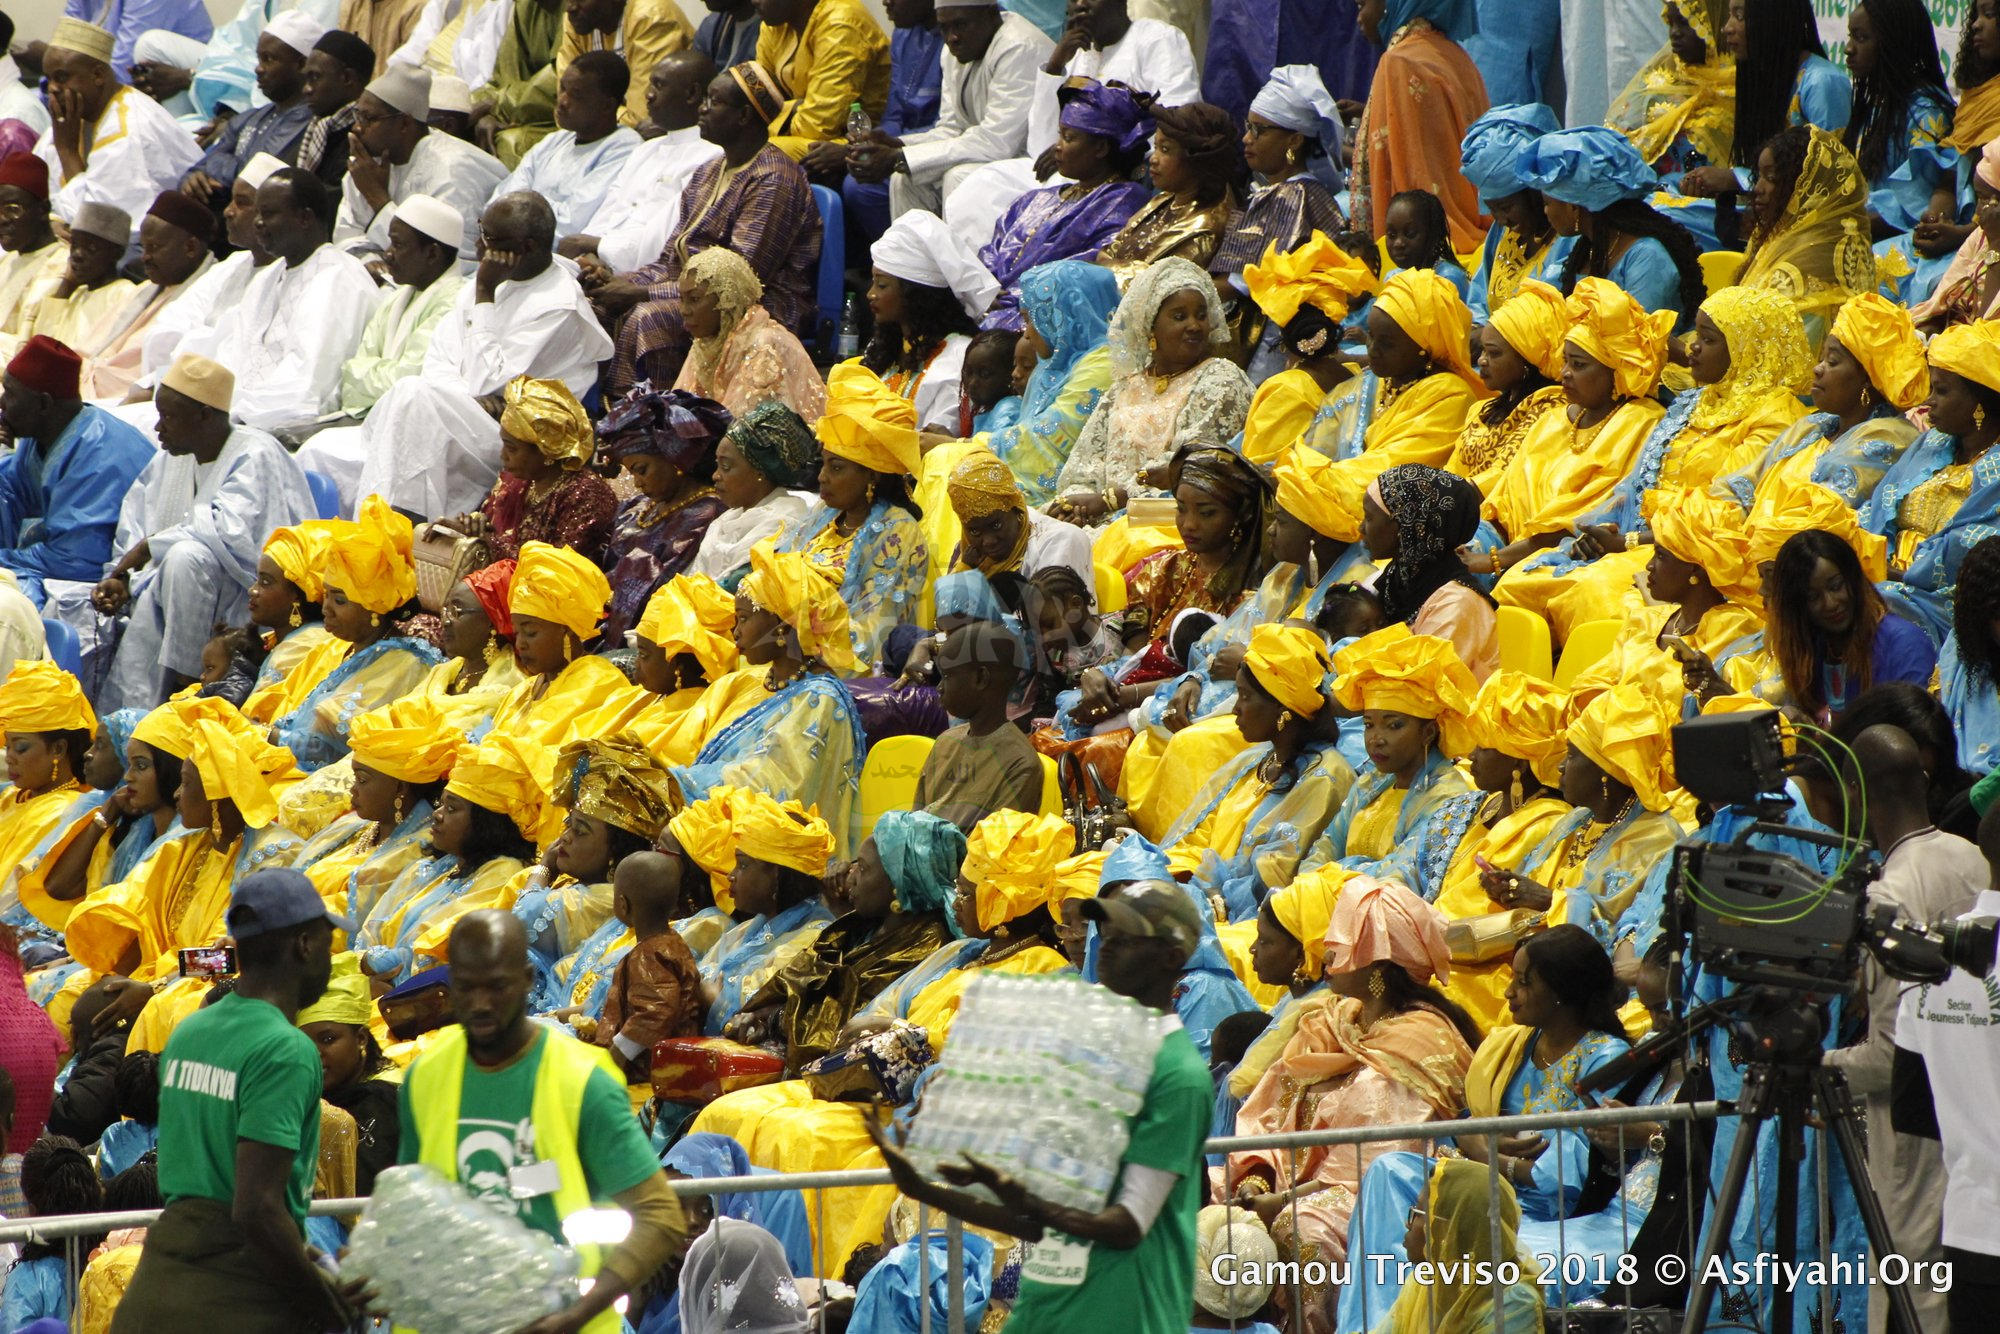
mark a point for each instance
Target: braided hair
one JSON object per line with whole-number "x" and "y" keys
{"x": 1906, "y": 63}
{"x": 1777, "y": 35}
{"x": 1430, "y": 212}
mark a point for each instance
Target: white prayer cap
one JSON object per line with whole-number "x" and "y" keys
{"x": 406, "y": 88}
{"x": 434, "y": 218}
{"x": 919, "y": 248}
{"x": 450, "y": 93}
{"x": 206, "y": 382}
{"x": 296, "y": 29}
{"x": 103, "y": 220}
{"x": 259, "y": 169}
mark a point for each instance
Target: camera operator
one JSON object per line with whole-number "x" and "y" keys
{"x": 1948, "y": 1032}
{"x": 1929, "y": 876}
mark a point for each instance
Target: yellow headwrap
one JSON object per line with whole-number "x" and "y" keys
{"x": 347, "y": 999}
{"x": 1306, "y": 491}
{"x": 369, "y": 559}
{"x": 1626, "y": 732}
{"x": 1798, "y": 506}
{"x": 1077, "y": 877}
{"x": 510, "y": 774}
{"x": 1305, "y": 907}
{"x": 1519, "y": 715}
{"x": 1009, "y": 859}
{"x": 868, "y": 422}
{"x": 1417, "y": 675}
{"x": 171, "y": 726}
{"x": 1971, "y": 350}
{"x": 236, "y": 764}
{"x": 1427, "y": 307}
{"x": 784, "y": 834}
{"x": 546, "y": 414}
{"x": 1768, "y": 353}
{"x": 1706, "y": 530}
{"x": 299, "y": 552}
{"x": 691, "y": 613}
{"x": 1880, "y": 335}
{"x": 804, "y": 597}
{"x": 558, "y": 584}
{"x": 1617, "y": 332}
{"x": 615, "y": 779}
{"x": 1318, "y": 274}
{"x": 411, "y": 740}
{"x": 42, "y": 697}
{"x": 1291, "y": 664}
{"x": 1535, "y": 322}
{"x": 706, "y": 832}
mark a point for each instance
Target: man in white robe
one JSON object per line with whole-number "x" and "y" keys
{"x": 992, "y": 69}
{"x": 174, "y": 239}
{"x": 431, "y": 447}
{"x": 423, "y": 259}
{"x": 190, "y": 533}
{"x": 574, "y": 167}
{"x": 108, "y": 143}
{"x": 1106, "y": 44}
{"x": 17, "y": 100}
{"x": 396, "y": 154}
{"x": 460, "y": 39}
{"x": 643, "y": 206}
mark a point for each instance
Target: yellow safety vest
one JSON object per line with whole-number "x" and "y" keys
{"x": 436, "y": 1080}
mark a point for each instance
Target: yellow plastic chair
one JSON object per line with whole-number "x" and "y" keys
{"x": 889, "y": 777}
{"x": 1587, "y": 645}
{"x": 1720, "y": 267}
{"x": 1051, "y": 788}
{"x": 1110, "y": 589}
{"x": 1524, "y": 643}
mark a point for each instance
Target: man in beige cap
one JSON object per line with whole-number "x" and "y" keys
{"x": 396, "y": 154}
{"x": 190, "y": 533}
{"x": 80, "y": 312}
{"x": 108, "y": 143}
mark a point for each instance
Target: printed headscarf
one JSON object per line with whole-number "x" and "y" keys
{"x": 1436, "y": 513}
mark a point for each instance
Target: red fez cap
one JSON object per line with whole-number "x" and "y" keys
{"x": 27, "y": 172}
{"x": 47, "y": 367}
{"x": 180, "y": 210}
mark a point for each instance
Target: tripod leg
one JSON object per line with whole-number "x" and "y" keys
{"x": 1702, "y": 1286}
{"x": 1836, "y": 1106}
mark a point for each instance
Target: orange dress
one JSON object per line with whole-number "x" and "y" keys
{"x": 1426, "y": 93}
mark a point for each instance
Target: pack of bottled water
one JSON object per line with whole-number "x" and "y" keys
{"x": 446, "y": 1263}
{"x": 1039, "y": 1079}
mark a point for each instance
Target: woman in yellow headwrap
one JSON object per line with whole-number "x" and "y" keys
{"x": 1680, "y": 110}
{"x": 1410, "y": 403}
{"x": 865, "y": 532}
{"x": 1940, "y": 498}
{"x": 1568, "y": 463}
{"x": 1521, "y": 362}
{"x": 356, "y": 1074}
{"x": 782, "y": 851}
{"x": 371, "y": 584}
{"x": 1750, "y": 361}
{"x": 285, "y": 603}
{"x": 1415, "y": 696}
{"x": 1382, "y": 1046}
{"x": 544, "y": 492}
{"x": 399, "y": 758}
{"x": 555, "y": 600}
{"x": 682, "y": 646}
{"x": 1519, "y": 730}
{"x": 802, "y": 741}
{"x": 49, "y": 726}
{"x": 1305, "y": 293}
{"x": 1809, "y": 240}
{"x": 483, "y": 831}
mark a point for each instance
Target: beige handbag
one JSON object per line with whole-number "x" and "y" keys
{"x": 444, "y": 556}
{"x": 1492, "y": 935}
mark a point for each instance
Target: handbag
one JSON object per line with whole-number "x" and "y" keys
{"x": 884, "y": 1065}
{"x": 1490, "y": 936}
{"x": 443, "y": 556}
{"x": 700, "y": 1070}
{"x": 1092, "y": 810}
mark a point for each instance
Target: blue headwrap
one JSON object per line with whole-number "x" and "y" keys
{"x": 1456, "y": 19}
{"x": 1294, "y": 98}
{"x": 967, "y": 595}
{"x": 1494, "y": 142}
{"x": 1135, "y": 857}
{"x": 1070, "y": 302}
{"x": 922, "y": 854}
{"x": 1104, "y": 110}
{"x": 782, "y": 1213}
{"x": 1591, "y": 168}
{"x": 891, "y": 1297}
{"x": 118, "y": 725}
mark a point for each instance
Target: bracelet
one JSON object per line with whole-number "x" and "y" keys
{"x": 97, "y": 818}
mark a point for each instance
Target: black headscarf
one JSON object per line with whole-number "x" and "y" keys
{"x": 1436, "y": 513}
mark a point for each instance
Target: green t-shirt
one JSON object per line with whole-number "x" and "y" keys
{"x": 1069, "y": 1285}
{"x": 237, "y": 1070}
{"x": 496, "y": 1137}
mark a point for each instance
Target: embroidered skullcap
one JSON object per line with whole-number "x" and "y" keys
{"x": 1417, "y": 675}
{"x": 450, "y": 93}
{"x": 1379, "y": 921}
{"x": 782, "y": 833}
{"x": 1318, "y": 273}
{"x": 869, "y": 423}
{"x": 1426, "y": 306}
{"x": 181, "y": 212}
{"x": 1305, "y": 906}
{"x": 776, "y": 441}
{"x": 104, "y": 221}
{"x": 206, "y": 382}
{"x": 1289, "y": 663}
{"x": 86, "y": 39}
{"x": 1971, "y": 349}
{"x": 681, "y": 427}
{"x": 1535, "y": 321}
{"x": 410, "y": 739}
{"x": 26, "y": 172}
{"x": 1618, "y": 333}
{"x": 1306, "y": 490}
{"x": 42, "y": 697}
{"x": 369, "y": 560}
{"x": 1882, "y": 338}
{"x": 691, "y": 613}
{"x": 297, "y": 29}
{"x": 1009, "y": 859}
{"x": 299, "y": 552}
{"x": 1493, "y": 144}
{"x": 508, "y": 773}
{"x": 404, "y": 88}
{"x": 617, "y": 780}
{"x": 1231, "y": 1230}
{"x": 47, "y": 367}
{"x": 805, "y": 597}
{"x": 433, "y": 218}
{"x": 920, "y": 248}
{"x": 1591, "y": 168}
{"x": 559, "y": 585}
{"x": 1626, "y": 731}
{"x": 759, "y": 89}
{"x": 1526, "y": 718}
{"x": 491, "y": 585}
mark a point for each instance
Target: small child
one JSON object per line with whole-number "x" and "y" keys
{"x": 1418, "y": 236}
{"x": 1025, "y": 361}
{"x": 656, "y": 992}
{"x": 988, "y": 402}
{"x": 1074, "y": 637}
{"x": 229, "y": 663}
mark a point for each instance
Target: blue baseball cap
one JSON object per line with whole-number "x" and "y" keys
{"x": 275, "y": 899}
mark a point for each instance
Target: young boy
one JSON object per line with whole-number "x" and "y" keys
{"x": 656, "y": 992}
{"x": 984, "y": 764}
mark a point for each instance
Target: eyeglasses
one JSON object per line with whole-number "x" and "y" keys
{"x": 13, "y": 212}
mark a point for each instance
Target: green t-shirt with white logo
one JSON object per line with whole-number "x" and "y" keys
{"x": 496, "y": 1138}
{"x": 237, "y": 1070}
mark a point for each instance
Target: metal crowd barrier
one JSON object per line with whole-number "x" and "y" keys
{"x": 71, "y": 1228}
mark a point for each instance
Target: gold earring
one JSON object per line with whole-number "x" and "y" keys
{"x": 1376, "y": 986}
{"x": 1301, "y": 979}
{"x": 1515, "y": 790}
{"x": 1284, "y": 719}
{"x": 492, "y": 650}
{"x": 397, "y": 811}
{"x": 296, "y": 619}
{"x": 1979, "y": 418}
{"x": 374, "y": 620}
{"x": 871, "y": 493}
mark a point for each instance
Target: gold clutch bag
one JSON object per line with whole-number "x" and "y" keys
{"x": 1150, "y": 511}
{"x": 443, "y": 557}
{"x": 1492, "y": 935}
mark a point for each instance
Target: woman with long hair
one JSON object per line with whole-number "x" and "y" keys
{"x": 1831, "y": 633}
{"x": 927, "y": 293}
{"x": 1969, "y": 666}
{"x": 1197, "y": 168}
{"x": 1977, "y": 74}
{"x": 1902, "y": 115}
{"x": 1782, "y": 74}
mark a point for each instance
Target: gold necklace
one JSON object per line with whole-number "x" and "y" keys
{"x": 1586, "y": 840}
{"x": 1582, "y": 437}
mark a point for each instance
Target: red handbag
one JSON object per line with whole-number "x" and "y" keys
{"x": 697, "y": 1071}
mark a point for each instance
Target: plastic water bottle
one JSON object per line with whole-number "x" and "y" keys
{"x": 859, "y": 127}
{"x": 849, "y": 343}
